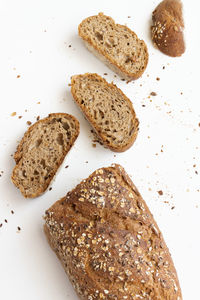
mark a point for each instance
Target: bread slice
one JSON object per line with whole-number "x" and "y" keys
{"x": 168, "y": 26}
{"x": 41, "y": 151}
{"x": 108, "y": 110}
{"x": 108, "y": 241}
{"x": 117, "y": 45}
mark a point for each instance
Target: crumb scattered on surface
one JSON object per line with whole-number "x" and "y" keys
{"x": 157, "y": 78}
{"x": 19, "y": 117}
{"x": 38, "y": 102}
{"x": 18, "y": 76}
{"x": 18, "y": 228}
{"x": 28, "y": 123}
{"x": 160, "y": 192}
{"x": 6, "y": 221}
{"x": 38, "y": 117}
{"x": 66, "y": 166}
{"x": 13, "y": 114}
{"x": 122, "y": 79}
{"x": 1, "y": 225}
{"x": 94, "y": 145}
{"x": 69, "y": 46}
{"x": 105, "y": 74}
{"x": 12, "y": 212}
{"x": 153, "y": 94}
{"x": 163, "y": 67}
{"x": 143, "y": 105}
{"x": 129, "y": 17}
{"x": 50, "y": 188}
{"x": 172, "y": 207}
{"x": 86, "y": 162}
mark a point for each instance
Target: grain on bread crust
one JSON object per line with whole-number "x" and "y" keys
{"x": 107, "y": 109}
{"x": 108, "y": 242}
{"x": 115, "y": 44}
{"x": 41, "y": 152}
{"x": 168, "y": 26}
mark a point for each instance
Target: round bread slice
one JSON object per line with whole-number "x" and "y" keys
{"x": 41, "y": 152}
{"x": 168, "y": 26}
{"x": 116, "y": 45}
{"x": 108, "y": 110}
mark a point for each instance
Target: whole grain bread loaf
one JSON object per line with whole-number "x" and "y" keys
{"x": 117, "y": 45}
{"x": 41, "y": 152}
{"x": 168, "y": 26}
{"x": 108, "y": 110}
{"x": 108, "y": 242}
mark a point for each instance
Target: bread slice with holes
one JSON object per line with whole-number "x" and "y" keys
{"x": 108, "y": 110}
{"x": 115, "y": 44}
{"x": 109, "y": 243}
{"x": 41, "y": 152}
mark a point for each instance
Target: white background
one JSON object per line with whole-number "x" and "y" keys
{"x": 34, "y": 43}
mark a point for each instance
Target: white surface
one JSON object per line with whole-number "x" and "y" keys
{"x": 35, "y": 36}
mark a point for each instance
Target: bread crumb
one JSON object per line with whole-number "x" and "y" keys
{"x": 12, "y": 212}
{"x": 66, "y": 166}
{"x": 157, "y": 78}
{"x": 6, "y": 221}
{"x": 50, "y": 188}
{"x": 163, "y": 67}
{"x": 1, "y": 225}
{"x": 172, "y": 207}
{"x": 105, "y": 74}
{"x": 28, "y": 123}
{"x": 129, "y": 17}
{"x": 19, "y": 117}
{"x": 13, "y": 114}
{"x": 160, "y": 192}
{"x": 18, "y": 76}
{"x": 38, "y": 117}
{"x": 86, "y": 162}
{"x": 18, "y": 228}
{"x": 69, "y": 46}
{"x": 38, "y": 102}
{"x": 94, "y": 145}
{"x": 153, "y": 94}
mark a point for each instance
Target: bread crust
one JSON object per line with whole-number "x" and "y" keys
{"x": 168, "y": 26}
{"x": 106, "y": 58}
{"x": 108, "y": 241}
{"x": 19, "y": 154}
{"x": 97, "y": 128}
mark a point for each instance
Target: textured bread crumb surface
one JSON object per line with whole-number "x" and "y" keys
{"x": 117, "y": 43}
{"x": 109, "y": 111}
{"x": 41, "y": 152}
{"x": 108, "y": 242}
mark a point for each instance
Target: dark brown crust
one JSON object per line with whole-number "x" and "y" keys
{"x": 93, "y": 239}
{"x": 129, "y": 76}
{"x": 97, "y": 128}
{"x": 19, "y": 153}
{"x": 168, "y": 26}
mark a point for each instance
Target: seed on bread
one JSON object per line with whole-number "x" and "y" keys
{"x": 108, "y": 110}
{"x": 41, "y": 151}
{"x": 116, "y": 45}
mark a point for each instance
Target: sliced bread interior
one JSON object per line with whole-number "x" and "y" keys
{"x": 108, "y": 110}
{"x": 117, "y": 45}
{"x": 41, "y": 151}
